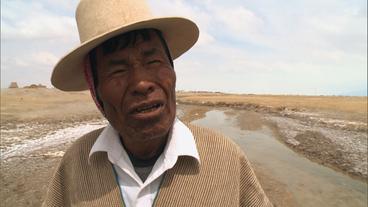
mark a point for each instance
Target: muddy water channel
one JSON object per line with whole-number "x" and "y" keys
{"x": 310, "y": 184}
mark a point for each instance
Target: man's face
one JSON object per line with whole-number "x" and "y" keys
{"x": 137, "y": 89}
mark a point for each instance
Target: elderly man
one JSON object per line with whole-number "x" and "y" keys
{"x": 145, "y": 156}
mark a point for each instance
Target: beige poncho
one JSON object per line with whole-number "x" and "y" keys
{"x": 223, "y": 178}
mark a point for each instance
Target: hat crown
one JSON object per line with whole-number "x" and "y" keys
{"x": 96, "y": 17}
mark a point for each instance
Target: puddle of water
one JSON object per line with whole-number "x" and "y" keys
{"x": 311, "y": 184}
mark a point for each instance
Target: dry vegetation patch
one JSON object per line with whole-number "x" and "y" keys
{"x": 350, "y": 108}
{"x": 45, "y": 105}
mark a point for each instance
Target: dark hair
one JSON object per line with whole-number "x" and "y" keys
{"x": 120, "y": 42}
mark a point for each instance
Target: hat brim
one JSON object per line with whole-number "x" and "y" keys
{"x": 180, "y": 35}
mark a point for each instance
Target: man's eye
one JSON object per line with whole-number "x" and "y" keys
{"x": 118, "y": 71}
{"x": 154, "y": 62}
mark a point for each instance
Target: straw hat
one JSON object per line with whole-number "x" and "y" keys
{"x": 100, "y": 20}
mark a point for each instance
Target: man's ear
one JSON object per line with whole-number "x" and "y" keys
{"x": 98, "y": 98}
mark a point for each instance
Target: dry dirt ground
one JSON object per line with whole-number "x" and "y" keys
{"x": 329, "y": 130}
{"x": 26, "y": 115}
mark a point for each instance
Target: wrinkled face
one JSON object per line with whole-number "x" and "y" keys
{"x": 137, "y": 89}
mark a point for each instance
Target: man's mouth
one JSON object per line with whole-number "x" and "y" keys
{"x": 147, "y": 108}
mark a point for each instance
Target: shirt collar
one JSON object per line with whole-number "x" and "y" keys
{"x": 180, "y": 143}
{"x": 108, "y": 141}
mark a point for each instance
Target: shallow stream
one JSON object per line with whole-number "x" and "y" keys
{"x": 310, "y": 184}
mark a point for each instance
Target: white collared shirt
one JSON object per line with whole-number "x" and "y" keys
{"x": 135, "y": 192}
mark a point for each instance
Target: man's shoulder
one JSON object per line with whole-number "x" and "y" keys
{"x": 82, "y": 146}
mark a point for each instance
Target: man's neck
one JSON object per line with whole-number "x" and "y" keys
{"x": 138, "y": 162}
{"x": 146, "y": 152}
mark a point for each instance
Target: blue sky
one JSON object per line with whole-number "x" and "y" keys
{"x": 306, "y": 47}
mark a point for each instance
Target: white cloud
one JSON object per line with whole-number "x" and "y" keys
{"x": 33, "y": 37}
{"x": 31, "y": 20}
{"x": 44, "y": 58}
{"x": 245, "y": 46}
{"x": 183, "y": 9}
{"x": 239, "y": 21}
{"x": 37, "y": 60}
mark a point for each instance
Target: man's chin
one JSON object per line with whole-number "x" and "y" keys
{"x": 145, "y": 130}
{"x": 152, "y": 133}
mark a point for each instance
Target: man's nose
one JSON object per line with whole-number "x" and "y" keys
{"x": 140, "y": 81}
{"x": 143, "y": 88}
